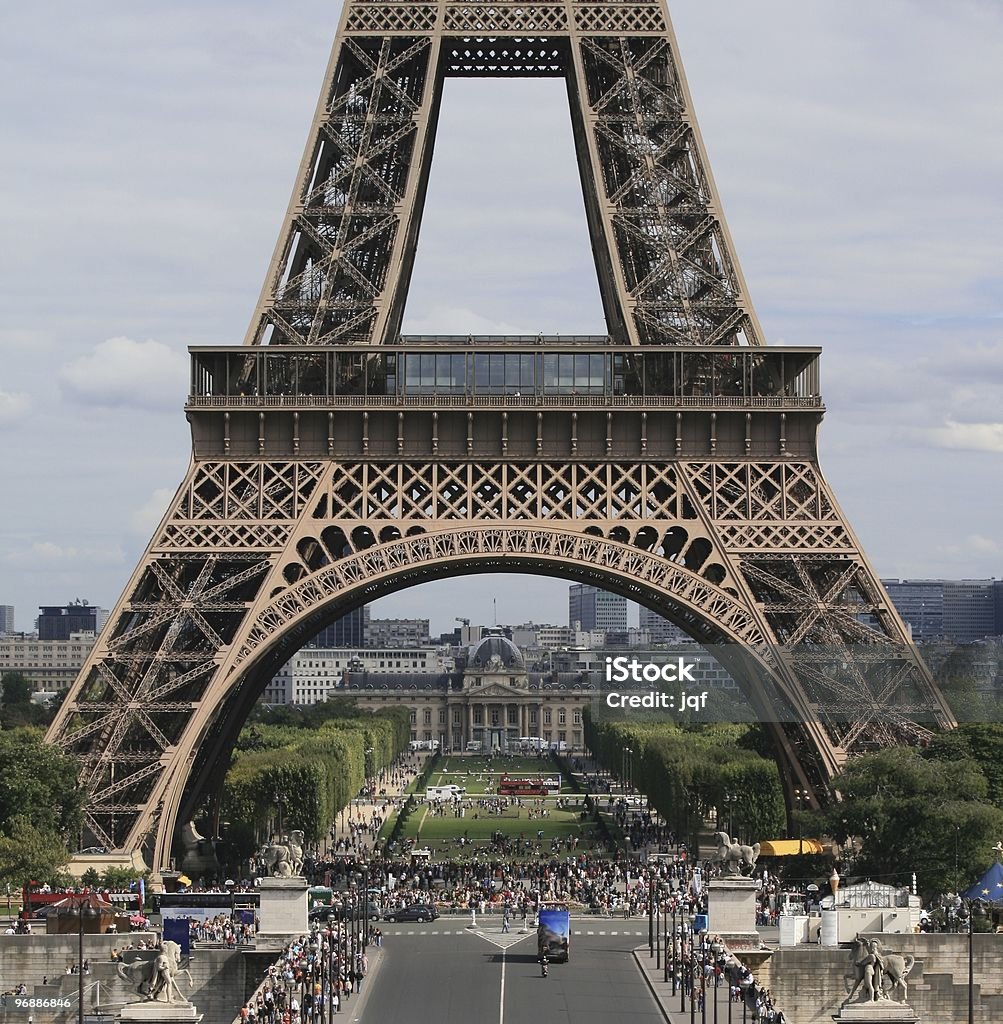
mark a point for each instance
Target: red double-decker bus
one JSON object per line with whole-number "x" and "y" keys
{"x": 528, "y": 787}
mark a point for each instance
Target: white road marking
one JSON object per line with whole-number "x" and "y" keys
{"x": 501, "y": 1004}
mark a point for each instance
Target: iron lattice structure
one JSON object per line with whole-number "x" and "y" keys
{"x": 334, "y": 461}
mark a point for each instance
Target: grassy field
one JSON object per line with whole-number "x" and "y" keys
{"x": 480, "y": 776}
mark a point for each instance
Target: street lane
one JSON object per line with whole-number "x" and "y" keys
{"x": 447, "y": 978}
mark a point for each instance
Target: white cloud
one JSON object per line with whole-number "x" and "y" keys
{"x": 13, "y": 405}
{"x": 976, "y": 437}
{"x": 49, "y": 553}
{"x": 147, "y": 517}
{"x": 121, "y": 371}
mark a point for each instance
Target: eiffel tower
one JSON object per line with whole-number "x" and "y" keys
{"x": 335, "y": 460}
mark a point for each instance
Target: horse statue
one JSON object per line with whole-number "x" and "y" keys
{"x": 877, "y": 973}
{"x": 154, "y": 972}
{"x": 734, "y": 856}
{"x": 284, "y": 860}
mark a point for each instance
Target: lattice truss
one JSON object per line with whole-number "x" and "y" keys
{"x": 679, "y": 273}
{"x": 138, "y": 695}
{"x": 329, "y": 275}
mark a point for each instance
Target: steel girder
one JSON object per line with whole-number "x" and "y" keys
{"x": 257, "y": 552}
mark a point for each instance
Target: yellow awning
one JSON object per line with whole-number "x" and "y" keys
{"x": 788, "y": 847}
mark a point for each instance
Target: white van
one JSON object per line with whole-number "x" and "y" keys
{"x": 474, "y": 746}
{"x": 434, "y": 794}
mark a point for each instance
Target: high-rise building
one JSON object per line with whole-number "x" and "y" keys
{"x": 351, "y": 630}
{"x": 970, "y": 610}
{"x": 958, "y": 611}
{"x": 6, "y": 619}
{"x": 660, "y": 629}
{"x": 397, "y": 633}
{"x": 596, "y": 609}
{"x": 59, "y": 622}
{"x": 921, "y": 605}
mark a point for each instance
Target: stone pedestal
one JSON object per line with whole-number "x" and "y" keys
{"x": 882, "y": 1012}
{"x": 284, "y": 908}
{"x": 154, "y": 1012}
{"x": 731, "y": 908}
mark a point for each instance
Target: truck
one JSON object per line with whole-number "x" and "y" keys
{"x": 553, "y": 934}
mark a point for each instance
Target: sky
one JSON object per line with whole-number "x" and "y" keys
{"x": 147, "y": 151}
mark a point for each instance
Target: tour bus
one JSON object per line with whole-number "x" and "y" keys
{"x": 535, "y": 743}
{"x": 529, "y": 787}
{"x": 553, "y": 932}
{"x": 35, "y": 900}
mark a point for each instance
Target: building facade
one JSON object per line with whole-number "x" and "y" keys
{"x": 955, "y": 611}
{"x": 49, "y": 665}
{"x": 660, "y": 630}
{"x": 492, "y": 705}
{"x": 60, "y": 622}
{"x": 397, "y": 633}
{"x": 590, "y": 608}
{"x": 315, "y": 673}
{"x": 351, "y": 630}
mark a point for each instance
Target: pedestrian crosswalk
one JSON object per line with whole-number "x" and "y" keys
{"x": 500, "y": 938}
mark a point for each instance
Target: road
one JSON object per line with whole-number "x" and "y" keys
{"x": 444, "y": 973}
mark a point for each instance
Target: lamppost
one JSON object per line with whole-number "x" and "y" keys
{"x": 278, "y": 804}
{"x": 658, "y": 936}
{"x": 972, "y": 904}
{"x": 800, "y": 794}
{"x": 651, "y": 916}
{"x": 82, "y": 907}
{"x": 729, "y": 800}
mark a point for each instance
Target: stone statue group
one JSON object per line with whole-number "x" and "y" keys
{"x": 283, "y": 859}
{"x": 735, "y": 859}
{"x": 154, "y": 974}
{"x": 876, "y": 973}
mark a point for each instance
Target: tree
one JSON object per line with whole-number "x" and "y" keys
{"x": 908, "y": 811}
{"x": 27, "y": 853}
{"x": 38, "y": 782}
{"x": 16, "y": 689}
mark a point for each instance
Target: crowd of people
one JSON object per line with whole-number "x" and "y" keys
{"x": 221, "y": 930}
{"x": 321, "y": 971}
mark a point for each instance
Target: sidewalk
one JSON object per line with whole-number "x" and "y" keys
{"x": 726, "y": 1011}
{"x": 363, "y": 809}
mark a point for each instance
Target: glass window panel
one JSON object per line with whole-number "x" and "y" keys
{"x": 596, "y": 375}
{"x": 550, "y": 366}
{"x": 412, "y": 371}
{"x": 443, "y": 374}
{"x": 497, "y": 362}
{"x": 482, "y": 381}
{"x": 427, "y": 369}
{"x": 566, "y": 371}
{"x": 512, "y": 365}
{"x": 581, "y": 371}
{"x": 459, "y": 372}
{"x": 526, "y": 372}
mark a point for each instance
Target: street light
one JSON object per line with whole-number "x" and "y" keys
{"x": 973, "y": 903}
{"x": 82, "y": 907}
{"x": 801, "y": 794}
{"x": 729, "y": 800}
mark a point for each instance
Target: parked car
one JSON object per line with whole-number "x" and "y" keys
{"x": 342, "y": 911}
{"x": 419, "y": 912}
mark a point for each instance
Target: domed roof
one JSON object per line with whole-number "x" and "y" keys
{"x": 496, "y": 651}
